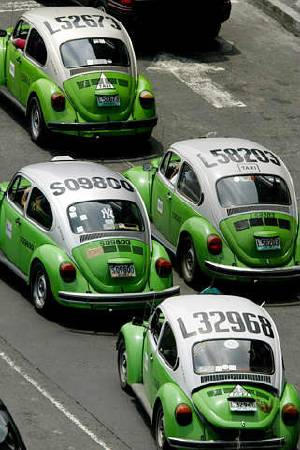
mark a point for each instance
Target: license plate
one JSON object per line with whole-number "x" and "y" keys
{"x": 108, "y": 100}
{"x": 122, "y": 270}
{"x": 242, "y": 406}
{"x": 263, "y": 244}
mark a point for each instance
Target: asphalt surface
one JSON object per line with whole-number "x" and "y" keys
{"x": 59, "y": 378}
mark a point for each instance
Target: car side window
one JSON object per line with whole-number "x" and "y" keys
{"x": 21, "y": 30}
{"x": 164, "y": 163}
{"x": 171, "y": 167}
{"x": 39, "y": 209}
{"x": 36, "y": 48}
{"x": 156, "y": 323}
{"x": 168, "y": 347}
{"x": 188, "y": 184}
{"x": 18, "y": 191}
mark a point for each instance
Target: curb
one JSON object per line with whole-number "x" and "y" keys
{"x": 285, "y": 15}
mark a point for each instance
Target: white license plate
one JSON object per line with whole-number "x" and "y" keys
{"x": 122, "y": 270}
{"x": 108, "y": 100}
{"x": 242, "y": 406}
{"x": 263, "y": 244}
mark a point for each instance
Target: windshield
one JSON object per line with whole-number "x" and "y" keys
{"x": 244, "y": 190}
{"x": 233, "y": 355}
{"x": 105, "y": 215}
{"x": 94, "y": 52}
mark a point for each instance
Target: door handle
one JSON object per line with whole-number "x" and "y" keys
{"x": 169, "y": 195}
{"x": 18, "y": 59}
{"x": 151, "y": 357}
{"x": 18, "y": 221}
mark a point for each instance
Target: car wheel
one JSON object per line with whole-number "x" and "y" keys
{"x": 41, "y": 294}
{"x": 122, "y": 366}
{"x": 160, "y": 437}
{"x": 188, "y": 261}
{"x": 37, "y": 126}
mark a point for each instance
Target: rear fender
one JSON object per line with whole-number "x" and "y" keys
{"x": 138, "y": 111}
{"x": 3, "y": 189}
{"x": 156, "y": 282}
{"x": 3, "y": 50}
{"x": 290, "y": 432}
{"x": 133, "y": 336}
{"x": 43, "y": 89}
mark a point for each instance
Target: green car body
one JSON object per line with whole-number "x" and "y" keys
{"x": 74, "y": 71}
{"x": 224, "y": 205}
{"x": 198, "y": 398}
{"x": 60, "y": 233}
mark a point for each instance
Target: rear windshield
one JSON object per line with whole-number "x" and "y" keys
{"x": 105, "y": 215}
{"x": 233, "y": 355}
{"x": 94, "y": 52}
{"x": 242, "y": 190}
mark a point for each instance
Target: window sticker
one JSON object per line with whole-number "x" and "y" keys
{"x": 79, "y": 229}
{"x": 107, "y": 213}
{"x": 98, "y": 41}
{"x": 231, "y": 344}
{"x": 73, "y": 215}
{"x": 72, "y": 208}
{"x": 8, "y": 229}
{"x": 83, "y": 217}
{"x": 12, "y": 69}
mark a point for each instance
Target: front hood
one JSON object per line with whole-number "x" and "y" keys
{"x": 84, "y": 89}
{"x": 244, "y": 232}
{"x": 94, "y": 260}
{"x": 214, "y": 404}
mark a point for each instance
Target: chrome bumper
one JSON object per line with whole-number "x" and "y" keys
{"x": 126, "y": 298}
{"x": 273, "y": 444}
{"x": 255, "y": 273}
{"x": 94, "y": 126}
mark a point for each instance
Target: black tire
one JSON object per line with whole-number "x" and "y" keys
{"x": 159, "y": 430}
{"x": 40, "y": 291}
{"x": 212, "y": 31}
{"x": 122, "y": 366}
{"x": 188, "y": 261}
{"x": 37, "y": 127}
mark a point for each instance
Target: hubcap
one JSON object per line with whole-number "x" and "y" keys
{"x": 35, "y": 121}
{"x": 189, "y": 262}
{"x": 160, "y": 431}
{"x": 123, "y": 367}
{"x": 40, "y": 290}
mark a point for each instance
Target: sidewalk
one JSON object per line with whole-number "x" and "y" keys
{"x": 287, "y": 12}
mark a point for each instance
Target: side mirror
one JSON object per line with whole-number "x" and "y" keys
{"x": 19, "y": 43}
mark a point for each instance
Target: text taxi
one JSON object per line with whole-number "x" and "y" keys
{"x": 79, "y": 234}
{"x": 226, "y": 206}
{"x": 73, "y": 70}
{"x": 208, "y": 370}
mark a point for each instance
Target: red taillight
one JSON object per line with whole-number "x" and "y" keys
{"x": 146, "y": 99}
{"x": 58, "y": 101}
{"x": 20, "y": 43}
{"x": 163, "y": 267}
{"x": 67, "y": 271}
{"x": 183, "y": 414}
{"x": 290, "y": 414}
{"x": 214, "y": 244}
{"x": 127, "y": 2}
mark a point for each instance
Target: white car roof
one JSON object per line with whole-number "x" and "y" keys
{"x": 185, "y": 316}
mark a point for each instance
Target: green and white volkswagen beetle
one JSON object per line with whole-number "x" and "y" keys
{"x": 73, "y": 70}
{"x": 225, "y": 206}
{"x": 209, "y": 372}
{"x": 78, "y": 234}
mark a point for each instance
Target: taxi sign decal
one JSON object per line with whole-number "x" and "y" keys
{"x": 83, "y": 21}
{"x": 74, "y": 184}
{"x": 239, "y": 155}
{"x": 231, "y": 321}
{"x": 103, "y": 83}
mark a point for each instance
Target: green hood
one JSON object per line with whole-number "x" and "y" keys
{"x": 241, "y": 232}
{"x": 93, "y": 260}
{"x": 213, "y": 404}
{"x": 82, "y": 91}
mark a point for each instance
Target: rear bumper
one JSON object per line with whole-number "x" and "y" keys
{"x": 98, "y": 126}
{"x": 273, "y": 444}
{"x": 255, "y": 273}
{"x": 124, "y": 300}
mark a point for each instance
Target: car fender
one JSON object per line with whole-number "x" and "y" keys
{"x": 198, "y": 228}
{"x": 3, "y": 50}
{"x": 133, "y": 336}
{"x": 43, "y": 88}
{"x": 290, "y": 432}
{"x": 3, "y": 189}
{"x": 142, "y": 181}
{"x": 51, "y": 257}
{"x": 170, "y": 396}
{"x": 138, "y": 111}
{"x": 156, "y": 282}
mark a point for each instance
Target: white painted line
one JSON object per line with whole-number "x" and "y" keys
{"x": 19, "y": 6}
{"x": 194, "y": 75}
{"x": 53, "y": 401}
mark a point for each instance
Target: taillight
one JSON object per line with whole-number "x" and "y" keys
{"x": 67, "y": 271}
{"x": 214, "y": 244}
{"x": 146, "y": 99}
{"x": 290, "y": 414}
{"x": 58, "y": 101}
{"x": 183, "y": 414}
{"x": 127, "y": 2}
{"x": 163, "y": 267}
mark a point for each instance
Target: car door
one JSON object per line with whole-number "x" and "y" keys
{"x": 163, "y": 191}
{"x": 187, "y": 197}
{"x": 12, "y": 218}
{"x": 15, "y": 57}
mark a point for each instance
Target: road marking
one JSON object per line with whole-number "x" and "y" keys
{"x": 194, "y": 75}
{"x": 53, "y": 401}
{"x": 19, "y": 6}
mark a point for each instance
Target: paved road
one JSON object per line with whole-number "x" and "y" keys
{"x": 59, "y": 378}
